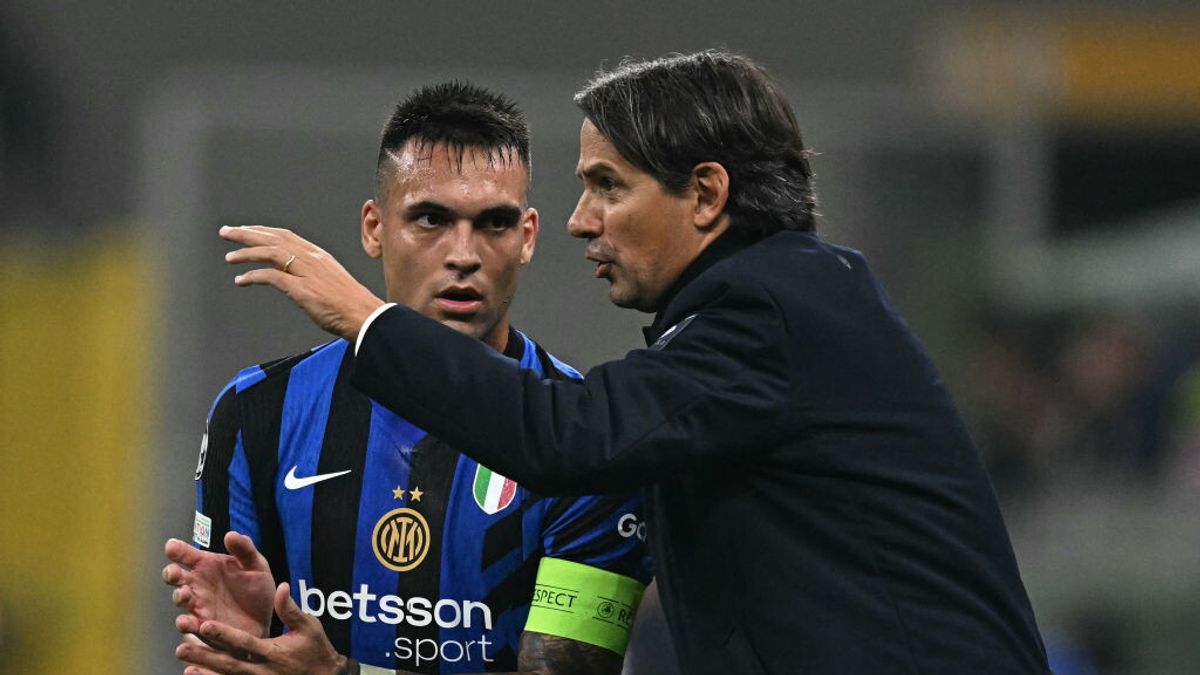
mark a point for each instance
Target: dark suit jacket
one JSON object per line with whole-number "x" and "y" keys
{"x": 815, "y": 503}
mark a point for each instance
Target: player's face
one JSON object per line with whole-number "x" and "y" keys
{"x": 453, "y": 235}
{"x": 636, "y": 230}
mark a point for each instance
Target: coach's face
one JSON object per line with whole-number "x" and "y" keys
{"x": 452, "y": 235}
{"x": 641, "y": 236}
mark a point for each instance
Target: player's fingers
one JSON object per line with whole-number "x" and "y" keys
{"x": 193, "y": 669}
{"x": 181, "y": 552}
{"x": 173, "y": 575}
{"x": 213, "y": 660}
{"x": 275, "y": 256}
{"x": 181, "y": 597}
{"x": 233, "y": 641}
{"x": 242, "y": 547}
{"x": 289, "y": 613}
{"x": 187, "y": 624}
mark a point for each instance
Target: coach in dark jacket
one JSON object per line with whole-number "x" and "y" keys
{"x": 816, "y": 505}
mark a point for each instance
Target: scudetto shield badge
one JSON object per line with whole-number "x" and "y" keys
{"x": 493, "y": 492}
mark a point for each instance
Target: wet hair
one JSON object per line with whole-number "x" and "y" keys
{"x": 458, "y": 115}
{"x": 669, "y": 114}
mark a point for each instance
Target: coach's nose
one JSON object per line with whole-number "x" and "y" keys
{"x": 585, "y": 221}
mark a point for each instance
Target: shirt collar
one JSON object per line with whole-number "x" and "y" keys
{"x": 724, "y": 246}
{"x": 515, "y": 349}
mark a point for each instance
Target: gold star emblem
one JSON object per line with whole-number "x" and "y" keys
{"x": 398, "y": 493}
{"x": 415, "y": 493}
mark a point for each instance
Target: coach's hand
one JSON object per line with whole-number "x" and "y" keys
{"x": 304, "y": 648}
{"x": 308, "y": 275}
{"x": 235, "y": 589}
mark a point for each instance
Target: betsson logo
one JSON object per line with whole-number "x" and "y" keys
{"x": 415, "y": 611}
{"x": 393, "y": 610}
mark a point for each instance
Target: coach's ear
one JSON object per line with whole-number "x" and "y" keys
{"x": 371, "y": 223}
{"x": 710, "y": 180}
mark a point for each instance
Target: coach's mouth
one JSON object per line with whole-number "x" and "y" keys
{"x": 459, "y": 300}
{"x": 604, "y": 264}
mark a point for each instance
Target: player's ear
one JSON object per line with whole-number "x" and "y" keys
{"x": 529, "y": 231}
{"x": 711, "y": 182}
{"x": 372, "y": 222}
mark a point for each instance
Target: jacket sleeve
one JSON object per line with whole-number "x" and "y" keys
{"x": 713, "y": 393}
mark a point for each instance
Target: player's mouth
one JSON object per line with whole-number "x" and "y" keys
{"x": 459, "y": 300}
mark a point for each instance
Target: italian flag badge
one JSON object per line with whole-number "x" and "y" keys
{"x": 493, "y": 492}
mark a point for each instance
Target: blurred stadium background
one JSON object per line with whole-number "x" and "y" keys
{"x": 1024, "y": 175}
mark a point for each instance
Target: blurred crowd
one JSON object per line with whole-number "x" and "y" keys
{"x": 1090, "y": 426}
{"x": 1102, "y": 401}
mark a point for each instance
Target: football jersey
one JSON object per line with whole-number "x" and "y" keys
{"x": 411, "y": 554}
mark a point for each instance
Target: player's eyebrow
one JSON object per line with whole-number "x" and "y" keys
{"x": 499, "y": 211}
{"x": 426, "y": 207}
{"x": 503, "y": 212}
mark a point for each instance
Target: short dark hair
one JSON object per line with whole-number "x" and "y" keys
{"x": 667, "y": 115}
{"x": 458, "y": 114}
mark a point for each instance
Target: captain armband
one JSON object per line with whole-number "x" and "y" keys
{"x": 584, "y": 603}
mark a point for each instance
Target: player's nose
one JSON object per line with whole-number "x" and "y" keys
{"x": 463, "y": 248}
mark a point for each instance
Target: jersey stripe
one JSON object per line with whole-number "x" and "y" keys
{"x": 243, "y": 512}
{"x": 433, "y": 470}
{"x": 305, "y": 413}
{"x": 213, "y": 495}
{"x": 260, "y": 438}
{"x": 344, "y": 447}
{"x": 386, "y": 469}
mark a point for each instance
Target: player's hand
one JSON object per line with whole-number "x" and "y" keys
{"x": 303, "y": 649}
{"x": 234, "y": 589}
{"x": 308, "y": 275}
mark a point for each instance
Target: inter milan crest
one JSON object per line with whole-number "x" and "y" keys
{"x": 401, "y": 539}
{"x": 493, "y": 492}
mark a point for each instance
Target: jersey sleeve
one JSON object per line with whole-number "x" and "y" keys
{"x": 590, "y": 582}
{"x": 224, "y": 500}
{"x": 603, "y": 531}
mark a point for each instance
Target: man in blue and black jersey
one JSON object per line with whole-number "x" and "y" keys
{"x": 401, "y": 552}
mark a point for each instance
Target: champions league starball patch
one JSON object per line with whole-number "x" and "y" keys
{"x": 203, "y": 453}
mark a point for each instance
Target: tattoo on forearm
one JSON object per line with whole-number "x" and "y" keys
{"x": 553, "y": 655}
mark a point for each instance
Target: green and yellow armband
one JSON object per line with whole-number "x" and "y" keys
{"x": 584, "y": 603}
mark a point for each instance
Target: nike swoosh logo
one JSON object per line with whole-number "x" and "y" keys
{"x": 291, "y": 482}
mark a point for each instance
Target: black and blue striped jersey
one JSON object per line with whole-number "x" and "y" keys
{"x": 412, "y": 555}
